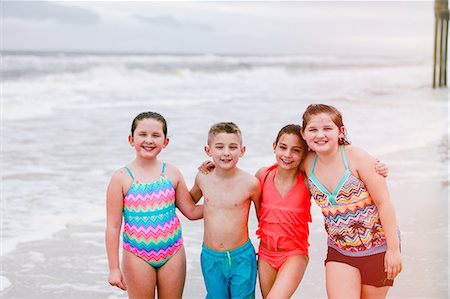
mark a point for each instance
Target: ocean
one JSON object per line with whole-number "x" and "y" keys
{"x": 65, "y": 118}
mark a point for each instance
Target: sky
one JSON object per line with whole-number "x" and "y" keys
{"x": 252, "y": 27}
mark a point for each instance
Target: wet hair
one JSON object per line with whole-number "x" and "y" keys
{"x": 224, "y": 127}
{"x": 150, "y": 115}
{"x": 293, "y": 130}
{"x": 334, "y": 114}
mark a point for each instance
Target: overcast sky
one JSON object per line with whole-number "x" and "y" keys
{"x": 294, "y": 27}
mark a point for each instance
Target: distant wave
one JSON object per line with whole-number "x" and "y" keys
{"x": 33, "y": 64}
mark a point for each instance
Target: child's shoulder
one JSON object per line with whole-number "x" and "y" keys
{"x": 356, "y": 152}
{"x": 358, "y": 158}
{"x": 121, "y": 175}
{"x": 261, "y": 171}
{"x": 170, "y": 168}
{"x": 172, "y": 172}
{"x": 247, "y": 177}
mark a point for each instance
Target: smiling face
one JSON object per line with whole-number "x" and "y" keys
{"x": 288, "y": 151}
{"x": 321, "y": 133}
{"x": 225, "y": 149}
{"x": 148, "y": 138}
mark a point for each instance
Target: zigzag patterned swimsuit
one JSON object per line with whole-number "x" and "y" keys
{"x": 152, "y": 230}
{"x": 352, "y": 221}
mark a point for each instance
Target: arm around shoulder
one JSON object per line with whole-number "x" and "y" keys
{"x": 183, "y": 198}
{"x": 256, "y": 194}
{"x": 195, "y": 191}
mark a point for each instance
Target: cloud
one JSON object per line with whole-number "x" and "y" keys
{"x": 169, "y": 22}
{"x": 162, "y": 21}
{"x": 43, "y": 10}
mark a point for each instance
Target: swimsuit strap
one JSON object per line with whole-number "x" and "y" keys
{"x": 163, "y": 168}
{"x": 344, "y": 157}
{"x": 129, "y": 172}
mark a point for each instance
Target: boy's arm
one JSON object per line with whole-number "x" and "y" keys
{"x": 114, "y": 207}
{"x": 378, "y": 190}
{"x": 183, "y": 198}
{"x": 256, "y": 196}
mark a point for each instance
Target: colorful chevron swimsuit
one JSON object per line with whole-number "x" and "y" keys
{"x": 352, "y": 221}
{"x": 152, "y": 230}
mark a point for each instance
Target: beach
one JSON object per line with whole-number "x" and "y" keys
{"x": 66, "y": 118}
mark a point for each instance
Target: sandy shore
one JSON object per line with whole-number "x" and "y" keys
{"x": 73, "y": 264}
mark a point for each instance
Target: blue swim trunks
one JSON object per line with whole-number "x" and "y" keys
{"x": 229, "y": 274}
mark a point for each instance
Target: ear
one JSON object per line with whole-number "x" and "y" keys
{"x": 207, "y": 150}
{"x": 243, "y": 149}
{"x": 166, "y": 142}
{"x": 342, "y": 132}
{"x": 131, "y": 140}
{"x": 274, "y": 146}
{"x": 303, "y": 134}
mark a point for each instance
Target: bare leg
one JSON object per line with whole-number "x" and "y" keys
{"x": 172, "y": 275}
{"x": 371, "y": 292}
{"x": 267, "y": 275}
{"x": 289, "y": 277}
{"x": 343, "y": 281}
{"x": 139, "y": 276}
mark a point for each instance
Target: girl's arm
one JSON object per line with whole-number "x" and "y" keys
{"x": 378, "y": 189}
{"x": 114, "y": 206}
{"x": 183, "y": 199}
{"x": 206, "y": 167}
{"x": 195, "y": 191}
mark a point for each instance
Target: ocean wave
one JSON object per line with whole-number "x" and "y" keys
{"x": 32, "y": 65}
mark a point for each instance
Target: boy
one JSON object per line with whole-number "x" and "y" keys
{"x": 228, "y": 258}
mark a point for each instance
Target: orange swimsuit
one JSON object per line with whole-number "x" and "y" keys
{"x": 283, "y": 220}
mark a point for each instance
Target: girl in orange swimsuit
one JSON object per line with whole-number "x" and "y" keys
{"x": 283, "y": 218}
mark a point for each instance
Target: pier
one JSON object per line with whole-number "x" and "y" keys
{"x": 441, "y": 14}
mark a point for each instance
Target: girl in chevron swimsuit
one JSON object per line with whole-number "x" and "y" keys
{"x": 145, "y": 193}
{"x": 363, "y": 242}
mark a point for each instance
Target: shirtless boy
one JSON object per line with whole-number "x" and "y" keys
{"x": 228, "y": 258}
